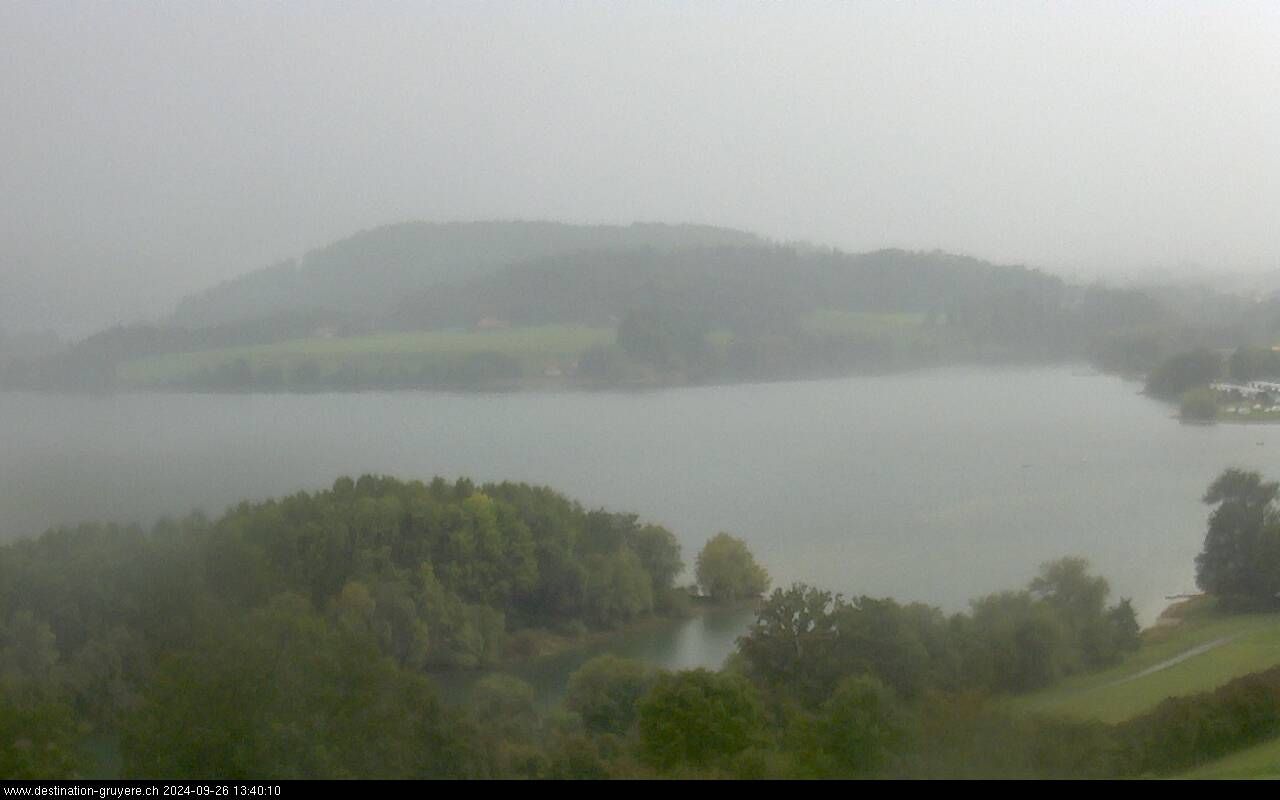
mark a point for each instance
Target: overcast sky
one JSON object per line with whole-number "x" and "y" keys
{"x": 149, "y": 149}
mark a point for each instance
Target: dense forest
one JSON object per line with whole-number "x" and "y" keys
{"x": 363, "y": 586}
{"x": 660, "y": 304}
{"x": 364, "y": 275}
{"x": 296, "y": 638}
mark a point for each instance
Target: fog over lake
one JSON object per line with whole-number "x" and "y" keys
{"x": 935, "y": 486}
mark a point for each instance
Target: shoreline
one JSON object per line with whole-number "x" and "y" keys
{"x": 545, "y": 644}
{"x": 536, "y": 385}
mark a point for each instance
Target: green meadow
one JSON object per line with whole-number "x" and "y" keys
{"x": 1260, "y": 761}
{"x": 535, "y": 348}
{"x": 1252, "y": 643}
{"x": 1204, "y": 651}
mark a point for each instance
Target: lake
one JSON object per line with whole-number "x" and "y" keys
{"x": 935, "y": 486}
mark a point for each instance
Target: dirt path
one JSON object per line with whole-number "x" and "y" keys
{"x": 1178, "y": 659}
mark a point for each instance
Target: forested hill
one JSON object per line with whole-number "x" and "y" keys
{"x": 501, "y": 305}
{"x": 742, "y": 289}
{"x": 366, "y": 273}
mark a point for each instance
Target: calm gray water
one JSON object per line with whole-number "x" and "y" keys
{"x": 935, "y": 486}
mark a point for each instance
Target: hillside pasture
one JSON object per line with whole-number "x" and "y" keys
{"x": 1203, "y": 652}
{"x": 534, "y": 349}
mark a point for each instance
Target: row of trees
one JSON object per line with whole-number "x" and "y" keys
{"x": 806, "y": 641}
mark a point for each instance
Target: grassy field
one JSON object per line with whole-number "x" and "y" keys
{"x": 1252, "y": 643}
{"x": 1261, "y": 761}
{"x": 536, "y": 348}
{"x": 1123, "y": 691}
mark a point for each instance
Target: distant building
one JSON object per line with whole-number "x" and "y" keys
{"x": 1247, "y": 390}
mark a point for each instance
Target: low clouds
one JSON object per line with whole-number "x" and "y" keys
{"x": 152, "y": 150}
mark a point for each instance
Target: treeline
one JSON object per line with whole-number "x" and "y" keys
{"x": 1177, "y": 322}
{"x": 759, "y": 296}
{"x": 806, "y": 641}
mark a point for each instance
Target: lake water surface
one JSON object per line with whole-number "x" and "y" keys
{"x": 935, "y": 486}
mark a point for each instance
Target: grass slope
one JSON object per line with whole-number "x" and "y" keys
{"x": 534, "y": 347}
{"x": 1260, "y": 761}
{"x": 1122, "y": 692}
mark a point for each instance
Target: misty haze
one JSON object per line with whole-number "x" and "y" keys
{"x": 638, "y": 390}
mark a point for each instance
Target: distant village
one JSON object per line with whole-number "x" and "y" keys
{"x": 1248, "y": 397}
